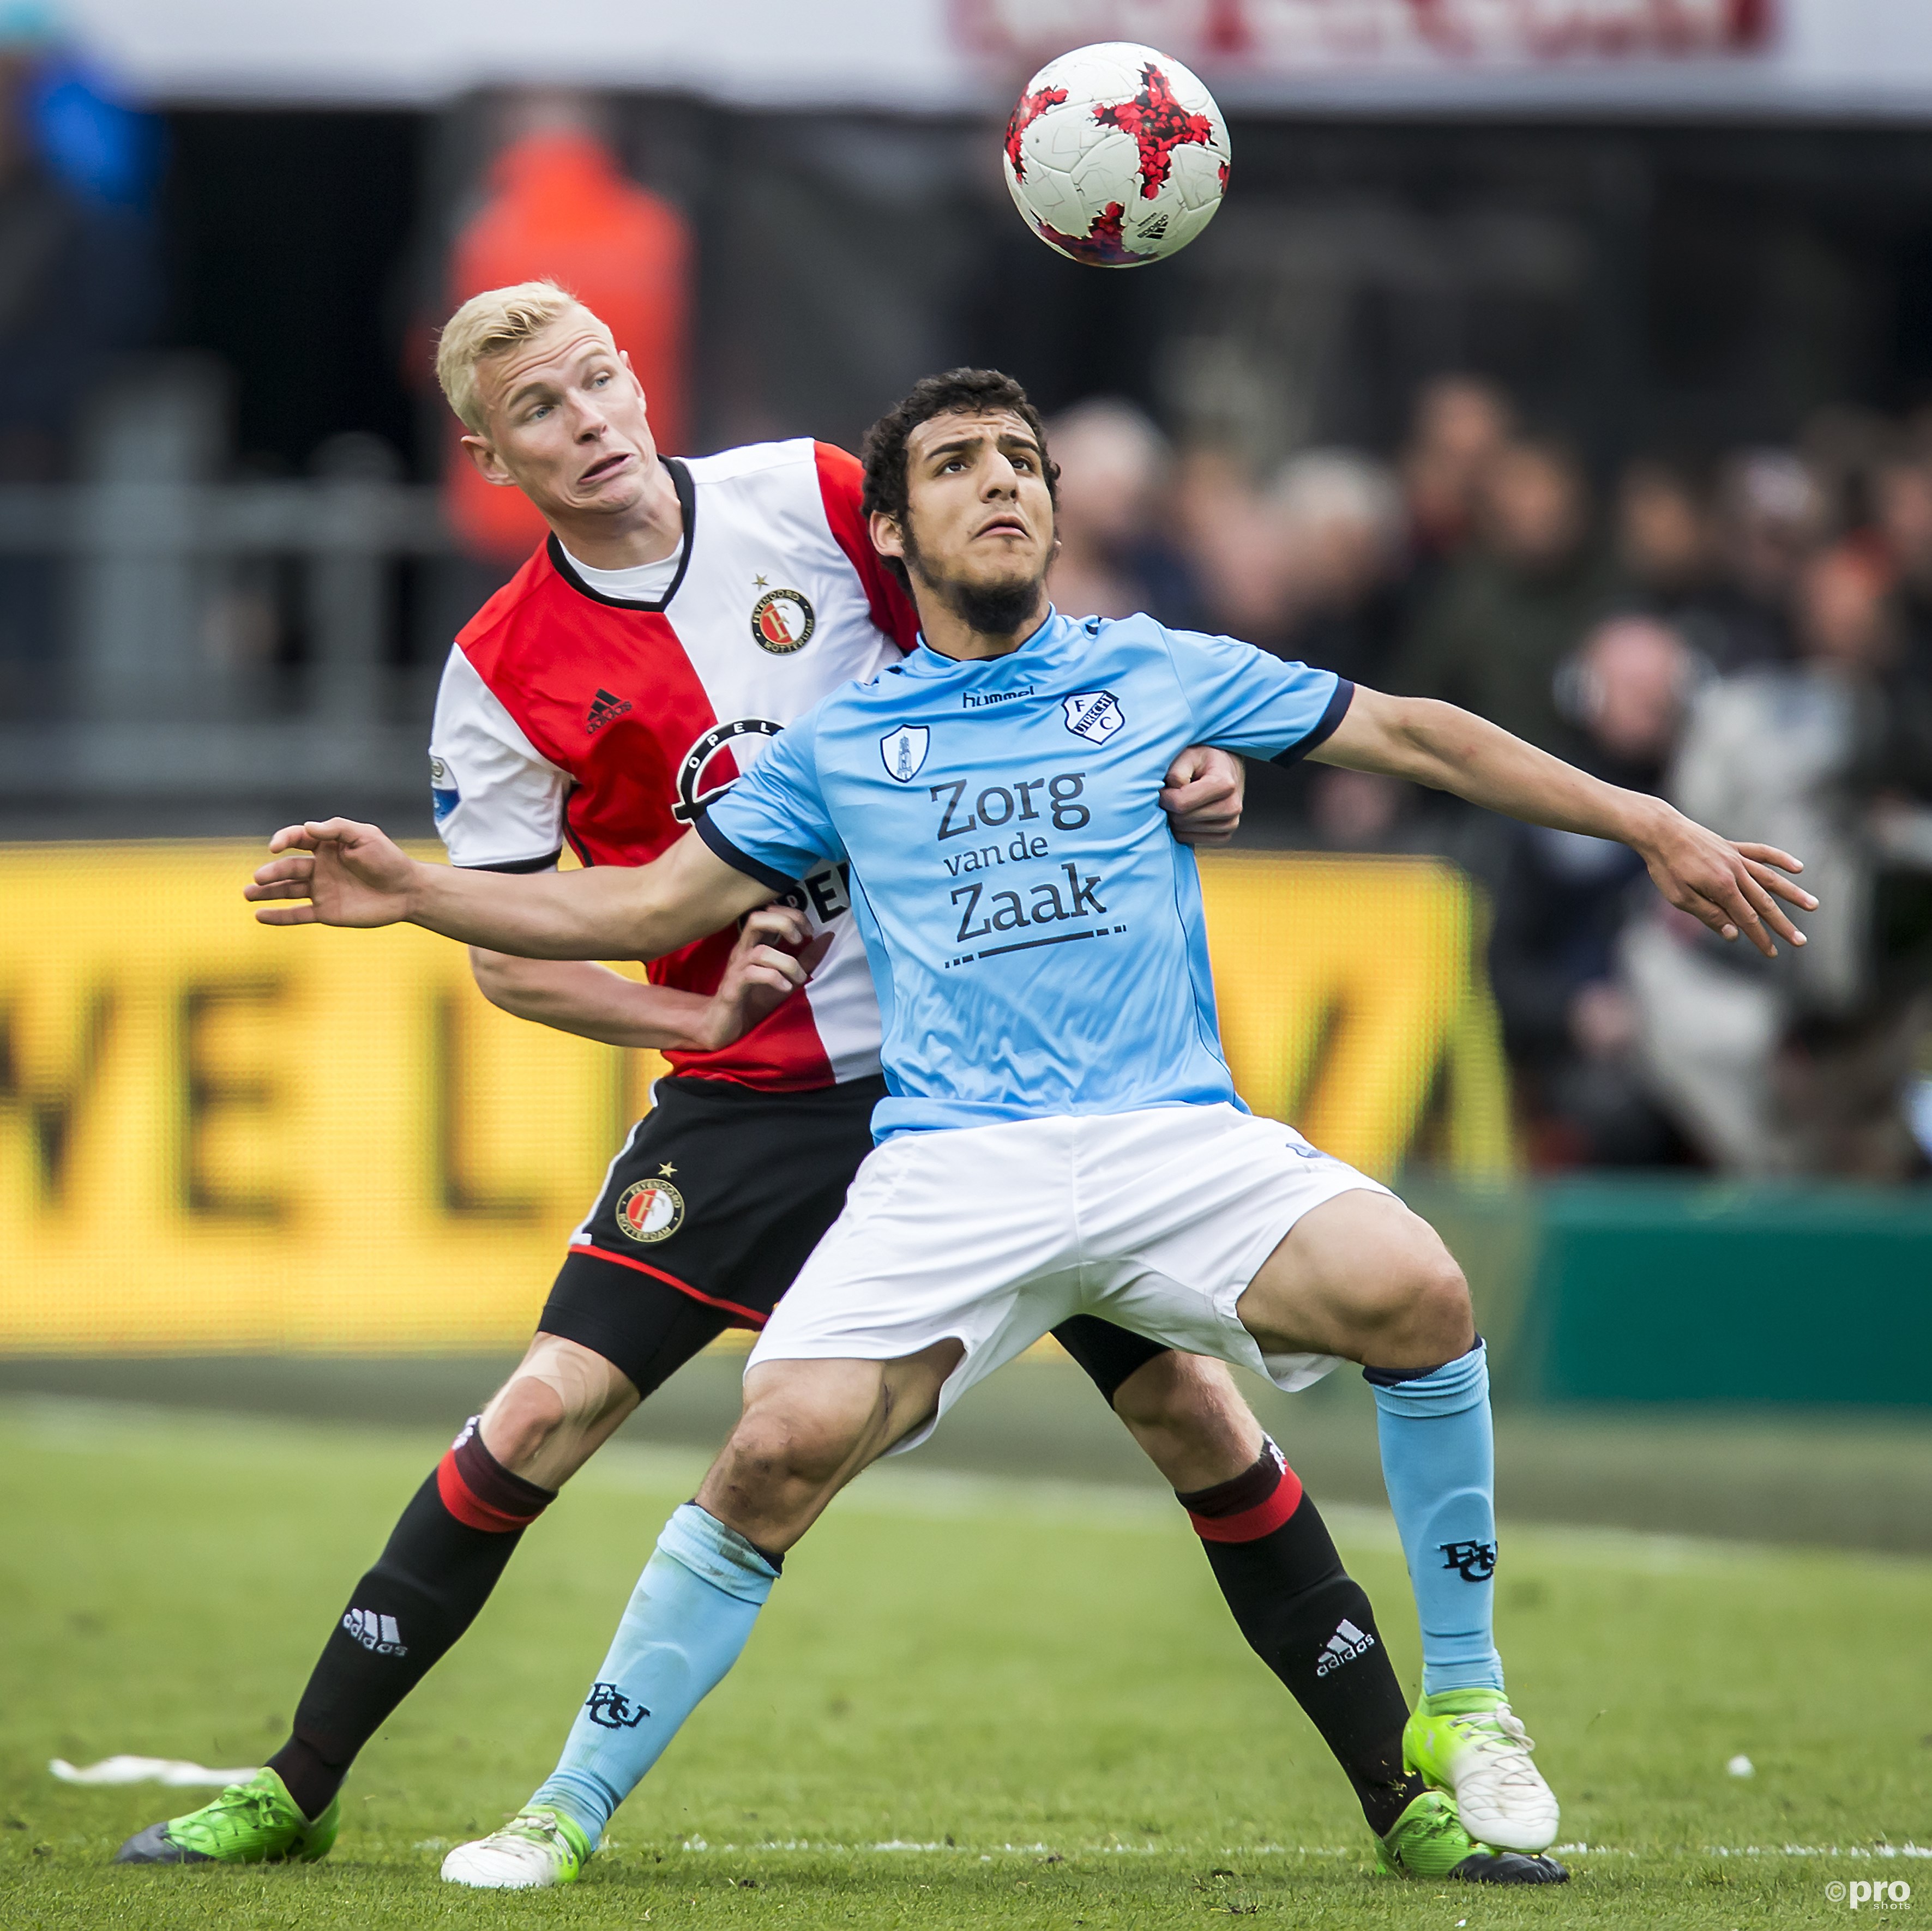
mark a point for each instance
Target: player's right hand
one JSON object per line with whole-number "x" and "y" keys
{"x": 350, "y": 874}
{"x": 775, "y": 955}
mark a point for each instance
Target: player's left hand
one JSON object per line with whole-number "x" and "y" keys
{"x": 1203, "y": 797}
{"x": 775, "y": 955}
{"x": 1732, "y": 888}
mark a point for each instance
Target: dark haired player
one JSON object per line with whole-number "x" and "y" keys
{"x": 1050, "y": 1042}
{"x": 678, "y": 615}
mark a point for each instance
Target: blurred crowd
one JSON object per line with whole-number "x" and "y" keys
{"x": 1751, "y": 637}
{"x": 80, "y": 274}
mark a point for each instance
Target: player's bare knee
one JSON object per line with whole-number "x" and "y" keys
{"x": 779, "y": 1447}
{"x": 1190, "y": 1419}
{"x": 553, "y": 1413}
{"x": 521, "y": 1420}
{"x": 1435, "y": 1321}
{"x": 1181, "y": 1393}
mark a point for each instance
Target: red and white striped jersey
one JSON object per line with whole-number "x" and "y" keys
{"x": 567, "y": 714}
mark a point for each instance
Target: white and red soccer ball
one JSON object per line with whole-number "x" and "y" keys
{"x": 1116, "y": 155}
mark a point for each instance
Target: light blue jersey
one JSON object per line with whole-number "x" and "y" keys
{"x": 1035, "y": 931}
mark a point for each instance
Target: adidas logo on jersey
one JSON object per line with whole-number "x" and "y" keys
{"x": 1344, "y": 1646}
{"x": 607, "y": 705}
{"x": 378, "y": 1634}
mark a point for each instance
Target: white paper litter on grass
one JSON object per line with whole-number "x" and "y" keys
{"x": 170, "y": 1770}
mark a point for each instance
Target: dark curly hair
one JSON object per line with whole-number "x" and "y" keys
{"x": 957, "y": 392}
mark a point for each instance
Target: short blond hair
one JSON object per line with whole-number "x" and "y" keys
{"x": 487, "y": 325}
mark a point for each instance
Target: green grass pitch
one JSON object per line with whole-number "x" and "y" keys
{"x": 971, "y": 1702}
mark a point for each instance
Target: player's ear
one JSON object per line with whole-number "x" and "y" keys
{"x": 490, "y": 466}
{"x": 886, "y": 539}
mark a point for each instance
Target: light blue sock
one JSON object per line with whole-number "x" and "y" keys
{"x": 1438, "y": 1464}
{"x": 687, "y": 1621}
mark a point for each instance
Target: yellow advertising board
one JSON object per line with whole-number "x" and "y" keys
{"x": 217, "y": 1137}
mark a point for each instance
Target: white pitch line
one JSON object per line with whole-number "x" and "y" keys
{"x": 1906, "y": 1850}
{"x": 698, "y": 1846}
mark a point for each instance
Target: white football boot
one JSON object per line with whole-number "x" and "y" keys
{"x": 538, "y": 1847}
{"x": 1471, "y": 1743}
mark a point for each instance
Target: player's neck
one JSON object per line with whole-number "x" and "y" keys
{"x": 646, "y": 531}
{"x": 952, "y": 632}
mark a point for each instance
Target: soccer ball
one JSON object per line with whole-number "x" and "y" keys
{"x": 1116, "y": 155}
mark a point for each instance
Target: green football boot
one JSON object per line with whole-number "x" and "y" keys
{"x": 1428, "y": 1842}
{"x": 538, "y": 1847}
{"x": 1469, "y": 1743}
{"x": 253, "y": 1823}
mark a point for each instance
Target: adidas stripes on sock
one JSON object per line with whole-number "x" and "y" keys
{"x": 442, "y": 1559}
{"x": 1310, "y": 1622}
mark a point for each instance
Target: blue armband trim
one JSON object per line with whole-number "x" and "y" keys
{"x": 740, "y": 861}
{"x": 1336, "y": 709}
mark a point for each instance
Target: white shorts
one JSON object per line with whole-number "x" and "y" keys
{"x": 994, "y": 1235}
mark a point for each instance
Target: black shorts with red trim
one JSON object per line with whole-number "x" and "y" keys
{"x": 708, "y": 1213}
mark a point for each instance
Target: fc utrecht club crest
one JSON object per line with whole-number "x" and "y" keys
{"x": 782, "y": 622}
{"x": 904, "y": 749}
{"x": 1095, "y": 716}
{"x": 650, "y": 1211}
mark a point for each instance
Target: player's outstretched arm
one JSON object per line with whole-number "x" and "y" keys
{"x": 349, "y": 874}
{"x": 1732, "y": 888}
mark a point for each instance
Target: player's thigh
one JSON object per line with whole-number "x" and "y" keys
{"x": 965, "y": 1236}
{"x": 1182, "y": 1207}
{"x": 1356, "y": 1275}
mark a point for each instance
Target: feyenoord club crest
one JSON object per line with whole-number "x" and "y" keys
{"x": 651, "y": 1211}
{"x": 1095, "y": 716}
{"x": 782, "y": 622}
{"x": 904, "y": 749}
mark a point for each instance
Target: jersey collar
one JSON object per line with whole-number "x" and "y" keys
{"x": 925, "y": 661}
{"x": 687, "y": 503}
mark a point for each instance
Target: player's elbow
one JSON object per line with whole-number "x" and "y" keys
{"x": 1423, "y": 737}
{"x": 645, "y": 930}
{"x": 503, "y": 979}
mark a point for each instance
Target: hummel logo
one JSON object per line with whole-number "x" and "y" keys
{"x": 608, "y": 1705}
{"x": 607, "y": 706}
{"x": 1344, "y": 1646}
{"x": 1473, "y": 1561}
{"x": 378, "y": 1634}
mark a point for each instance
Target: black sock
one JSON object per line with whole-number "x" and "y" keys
{"x": 1310, "y": 1622}
{"x": 442, "y": 1560}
